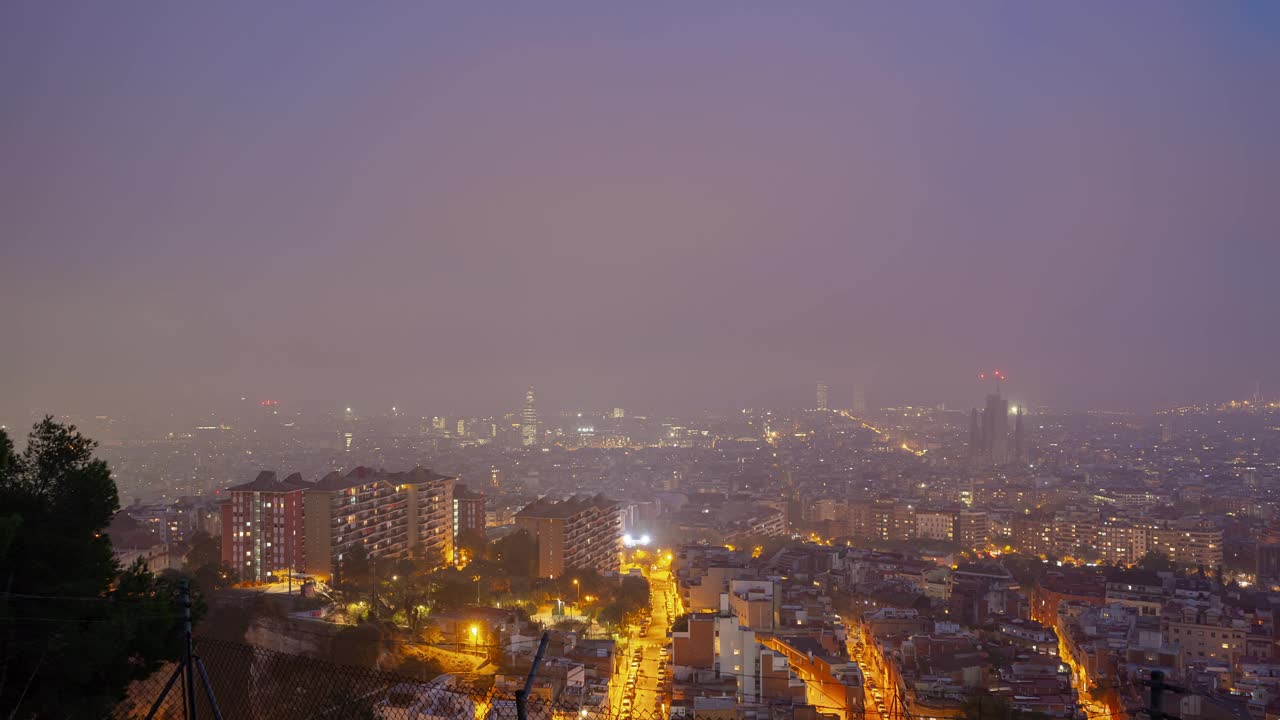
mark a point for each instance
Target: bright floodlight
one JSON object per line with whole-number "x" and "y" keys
{"x": 645, "y": 539}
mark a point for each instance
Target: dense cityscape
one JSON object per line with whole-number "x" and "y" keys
{"x": 639, "y": 361}
{"x": 836, "y": 561}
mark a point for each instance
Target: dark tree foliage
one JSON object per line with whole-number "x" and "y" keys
{"x": 1156, "y": 562}
{"x": 473, "y": 543}
{"x": 359, "y": 645}
{"x": 356, "y": 571}
{"x": 632, "y": 597}
{"x": 74, "y": 629}
{"x": 451, "y": 589}
{"x": 204, "y": 562}
{"x": 205, "y": 550}
{"x": 633, "y": 594}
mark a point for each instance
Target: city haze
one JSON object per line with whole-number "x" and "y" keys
{"x": 662, "y": 207}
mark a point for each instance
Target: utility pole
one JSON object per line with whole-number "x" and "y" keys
{"x": 187, "y": 668}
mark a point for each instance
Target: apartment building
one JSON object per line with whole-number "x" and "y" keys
{"x": 262, "y": 536}
{"x": 579, "y": 532}
{"x": 1204, "y": 633}
{"x": 468, "y": 511}
{"x": 1190, "y": 542}
{"x": 392, "y": 515}
{"x": 934, "y": 525}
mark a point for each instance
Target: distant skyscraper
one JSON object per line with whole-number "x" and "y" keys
{"x": 995, "y": 429}
{"x": 822, "y": 395}
{"x": 619, "y": 413}
{"x": 529, "y": 421}
{"x": 495, "y": 478}
{"x": 859, "y": 399}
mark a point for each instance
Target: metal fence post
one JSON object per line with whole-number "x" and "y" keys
{"x": 189, "y": 673}
{"x": 522, "y": 695}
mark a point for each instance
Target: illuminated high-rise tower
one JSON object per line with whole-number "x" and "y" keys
{"x": 822, "y": 395}
{"x": 529, "y": 421}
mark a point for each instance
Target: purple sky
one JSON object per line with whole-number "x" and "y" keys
{"x": 657, "y": 206}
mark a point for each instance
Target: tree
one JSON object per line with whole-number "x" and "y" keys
{"x": 451, "y": 589}
{"x": 356, "y": 570}
{"x": 633, "y": 594}
{"x": 1155, "y": 562}
{"x": 205, "y": 550}
{"x": 472, "y": 544}
{"x": 1026, "y": 569}
{"x": 408, "y": 593}
{"x": 74, "y": 629}
{"x": 612, "y": 614}
{"x": 204, "y": 562}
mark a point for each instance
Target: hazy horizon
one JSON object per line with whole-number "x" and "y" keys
{"x": 660, "y": 207}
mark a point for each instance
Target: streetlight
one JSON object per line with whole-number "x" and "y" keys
{"x": 579, "y": 589}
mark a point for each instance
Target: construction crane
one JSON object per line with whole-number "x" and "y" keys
{"x": 995, "y": 375}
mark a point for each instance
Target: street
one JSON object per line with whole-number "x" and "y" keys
{"x": 879, "y": 697}
{"x": 640, "y": 684}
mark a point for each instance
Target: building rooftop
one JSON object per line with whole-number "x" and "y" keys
{"x": 364, "y": 476}
{"x": 546, "y": 508}
{"x": 266, "y": 482}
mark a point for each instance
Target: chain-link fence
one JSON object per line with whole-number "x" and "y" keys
{"x": 250, "y": 683}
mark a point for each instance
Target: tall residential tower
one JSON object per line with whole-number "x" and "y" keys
{"x": 529, "y": 421}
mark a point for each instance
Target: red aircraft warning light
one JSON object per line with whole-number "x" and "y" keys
{"x": 995, "y": 375}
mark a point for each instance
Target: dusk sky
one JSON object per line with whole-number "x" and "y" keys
{"x": 657, "y": 206}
